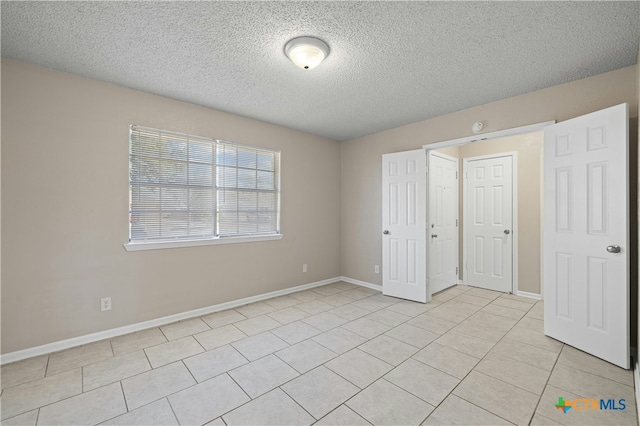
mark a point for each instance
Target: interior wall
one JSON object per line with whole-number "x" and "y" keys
{"x": 65, "y": 211}
{"x": 529, "y": 149}
{"x": 361, "y": 198}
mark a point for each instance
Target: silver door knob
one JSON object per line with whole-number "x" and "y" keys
{"x": 385, "y": 232}
{"x": 434, "y": 235}
{"x": 614, "y": 248}
{"x": 507, "y": 232}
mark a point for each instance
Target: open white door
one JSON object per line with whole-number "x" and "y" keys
{"x": 442, "y": 221}
{"x": 586, "y": 233}
{"x": 404, "y": 221}
{"x": 488, "y": 221}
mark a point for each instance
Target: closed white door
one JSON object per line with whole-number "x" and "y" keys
{"x": 586, "y": 233}
{"x": 442, "y": 232}
{"x": 404, "y": 217}
{"x": 488, "y": 222}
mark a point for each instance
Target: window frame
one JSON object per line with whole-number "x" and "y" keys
{"x": 216, "y": 188}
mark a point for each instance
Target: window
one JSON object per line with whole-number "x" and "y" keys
{"x": 190, "y": 188}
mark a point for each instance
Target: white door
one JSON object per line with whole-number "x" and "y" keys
{"x": 488, "y": 222}
{"x": 586, "y": 233}
{"x": 442, "y": 232}
{"x": 404, "y": 219}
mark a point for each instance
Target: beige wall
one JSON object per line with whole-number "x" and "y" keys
{"x": 361, "y": 158}
{"x": 529, "y": 149}
{"x": 65, "y": 201}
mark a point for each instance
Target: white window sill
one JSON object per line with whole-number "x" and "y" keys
{"x": 195, "y": 243}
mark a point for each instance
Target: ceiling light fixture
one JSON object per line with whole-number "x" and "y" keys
{"x": 306, "y": 52}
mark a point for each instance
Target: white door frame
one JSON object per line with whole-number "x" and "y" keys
{"x": 493, "y": 135}
{"x": 531, "y": 128}
{"x": 514, "y": 212}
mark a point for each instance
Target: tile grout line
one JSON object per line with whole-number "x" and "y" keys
{"x": 550, "y": 371}
{"x": 456, "y": 386}
{"x": 245, "y": 392}
{"x": 296, "y": 402}
{"x": 546, "y": 384}
{"x": 46, "y": 368}
{"x": 175, "y": 416}
{"x": 393, "y": 367}
{"x": 151, "y": 368}
{"x": 580, "y": 392}
{"x": 360, "y": 390}
{"x": 480, "y": 360}
{"x": 121, "y": 385}
{"x": 368, "y": 340}
{"x": 481, "y": 408}
{"x": 191, "y": 374}
{"x": 60, "y": 400}
{"x": 199, "y": 344}
{"x": 165, "y": 336}
{"x": 124, "y": 398}
{"x": 153, "y": 345}
{"x": 337, "y": 355}
{"x": 348, "y": 408}
{"x": 120, "y": 382}
{"x": 592, "y": 373}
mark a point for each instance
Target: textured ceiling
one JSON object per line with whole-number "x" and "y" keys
{"x": 391, "y": 63}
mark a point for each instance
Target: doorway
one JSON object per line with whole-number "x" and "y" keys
{"x": 527, "y": 149}
{"x": 586, "y": 233}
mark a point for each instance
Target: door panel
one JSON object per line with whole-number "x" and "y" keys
{"x": 404, "y": 206}
{"x": 586, "y": 212}
{"x": 443, "y": 221}
{"x": 489, "y": 207}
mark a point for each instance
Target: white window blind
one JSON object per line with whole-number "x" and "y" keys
{"x": 247, "y": 190}
{"x": 185, "y": 187}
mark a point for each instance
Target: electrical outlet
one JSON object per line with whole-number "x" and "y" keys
{"x": 304, "y": 267}
{"x": 377, "y": 269}
{"x": 105, "y": 304}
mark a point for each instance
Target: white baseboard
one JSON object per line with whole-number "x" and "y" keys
{"x": 361, "y": 283}
{"x": 518, "y": 293}
{"x": 114, "y": 332}
{"x": 529, "y": 295}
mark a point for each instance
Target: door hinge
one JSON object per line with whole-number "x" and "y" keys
{"x": 456, "y": 175}
{"x": 456, "y": 270}
{"x": 456, "y": 222}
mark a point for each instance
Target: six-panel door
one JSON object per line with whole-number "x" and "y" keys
{"x": 404, "y": 206}
{"x": 442, "y": 231}
{"x": 488, "y": 222}
{"x": 586, "y": 234}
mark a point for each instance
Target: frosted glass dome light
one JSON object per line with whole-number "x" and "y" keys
{"x": 306, "y": 52}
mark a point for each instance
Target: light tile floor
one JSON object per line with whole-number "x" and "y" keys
{"x": 334, "y": 355}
